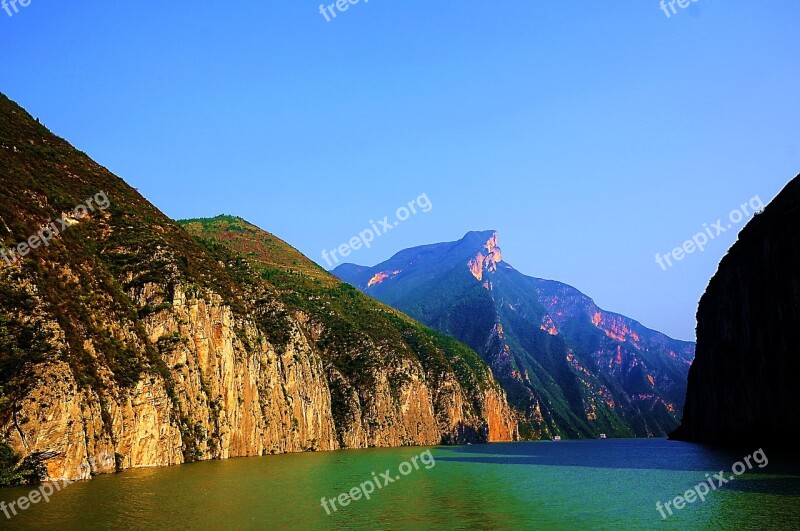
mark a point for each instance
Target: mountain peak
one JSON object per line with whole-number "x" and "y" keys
{"x": 479, "y": 236}
{"x": 487, "y": 257}
{"x": 570, "y": 367}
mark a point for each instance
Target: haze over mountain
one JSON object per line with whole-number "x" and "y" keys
{"x": 573, "y": 368}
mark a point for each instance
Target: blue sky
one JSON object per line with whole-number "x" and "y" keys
{"x": 591, "y": 136}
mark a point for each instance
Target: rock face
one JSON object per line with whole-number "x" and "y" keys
{"x": 486, "y": 259}
{"x": 574, "y": 369}
{"x": 127, "y": 336}
{"x": 742, "y": 386}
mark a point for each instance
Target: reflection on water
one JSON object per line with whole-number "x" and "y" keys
{"x": 599, "y": 484}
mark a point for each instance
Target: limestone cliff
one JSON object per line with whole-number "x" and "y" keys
{"x": 128, "y": 336}
{"x": 742, "y": 387}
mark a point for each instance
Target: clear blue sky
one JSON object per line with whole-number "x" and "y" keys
{"x": 591, "y": 135}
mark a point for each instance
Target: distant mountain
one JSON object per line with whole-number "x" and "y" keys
{"x": 742, "y": 387}
{"x": 574, "y": 369}
{"x": 124, "y": 334}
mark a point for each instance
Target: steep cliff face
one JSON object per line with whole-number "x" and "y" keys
{"x": 126, "y": 336}
{"x": 743, "y": 385}
{"x": 486, "y": 259}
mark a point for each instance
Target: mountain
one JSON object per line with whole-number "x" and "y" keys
{"x": 122, "y": 334}
{"x": 573, "y": 368}
{"x": 742, "y": 387}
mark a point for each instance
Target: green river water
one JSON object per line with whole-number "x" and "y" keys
{"x": 610, "y": 484}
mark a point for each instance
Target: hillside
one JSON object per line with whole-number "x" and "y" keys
{"x": 126, "y": 335}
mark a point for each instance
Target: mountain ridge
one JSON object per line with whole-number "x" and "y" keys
{"x": 466, "y": 289}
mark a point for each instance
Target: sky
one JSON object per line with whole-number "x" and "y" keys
{"x": 591, "y": 136}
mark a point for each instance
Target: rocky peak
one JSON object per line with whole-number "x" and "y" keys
{"x": 487, "y": 258}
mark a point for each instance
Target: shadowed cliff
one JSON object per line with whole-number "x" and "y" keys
{"x": 743, "y": 386}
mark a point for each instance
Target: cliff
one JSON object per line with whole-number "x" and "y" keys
{"x": 126, "y": 336}
{"x": 742, "y": 387}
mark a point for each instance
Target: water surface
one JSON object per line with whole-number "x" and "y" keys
{"x": 609, "y": 484}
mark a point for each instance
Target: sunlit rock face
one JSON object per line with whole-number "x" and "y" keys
{"x": 378, "y": 278}
{"x": 615, "y": 327}
{"x": 486, "y": 259}
{"x": 572, "y": 368}
{"x": 549, "y": 326}
{"x": 383, "y": 275}
{"x": 743, "y": 385}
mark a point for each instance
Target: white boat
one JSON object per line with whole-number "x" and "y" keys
{"x": 603, "y": 436}
{"x": 557, "y": 438}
